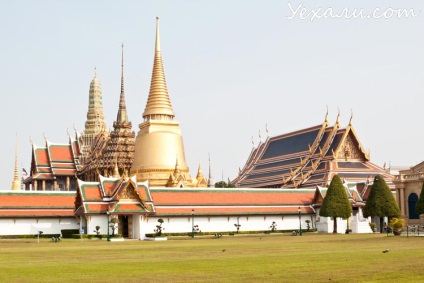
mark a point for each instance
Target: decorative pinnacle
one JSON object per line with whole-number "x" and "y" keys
{"x": 122, "y": 70}
{"x": 158, "y": 105}
{"x": 157, "y": 43}
{"x": 16, "y": 184}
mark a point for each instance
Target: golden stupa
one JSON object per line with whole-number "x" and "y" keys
{"x": 159, "y": 150}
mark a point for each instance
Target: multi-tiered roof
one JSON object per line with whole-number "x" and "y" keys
{"x": 309, "y": 157}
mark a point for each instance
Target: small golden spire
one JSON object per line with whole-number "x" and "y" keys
{"x": 199, "y": 173}
{"x": 16, "y": 183}
{"x": 351, "y": 116}
{"x": 116, "y": 170}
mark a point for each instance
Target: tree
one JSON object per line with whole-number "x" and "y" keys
{"x": 159, "y": 227}
{"x": 222, "y": 184}
{"x": 419, "y": 207}
{"x": 381, "y": 201}
{"x": 336, "y": 203}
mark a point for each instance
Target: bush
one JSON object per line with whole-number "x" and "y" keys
{"x": 397, "y": 223}
{"x": 67, "y": 233}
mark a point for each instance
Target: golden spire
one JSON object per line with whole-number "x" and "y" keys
{"x": 199, "y": 173}
{"x": 16, "y": 183}
{"x": 116, "y": 171}
{"x": 122, "y": 112}
{"x": 158, "y": 105}
{"x": 177, "y": 169}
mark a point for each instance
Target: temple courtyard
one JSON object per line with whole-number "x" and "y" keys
{"x": 240, "y": 258}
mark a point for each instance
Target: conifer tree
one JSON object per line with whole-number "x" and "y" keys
{"x": 336, "y": 203}
{"x": 381, "y": 201}
{"x": 419, "y": 207}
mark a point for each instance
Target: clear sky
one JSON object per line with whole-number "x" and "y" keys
{"x": 231, "y": 68}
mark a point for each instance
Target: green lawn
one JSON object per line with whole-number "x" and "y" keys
{"x": 258, "y": 258}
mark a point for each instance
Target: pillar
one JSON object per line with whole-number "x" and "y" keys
{"x": 67, "y": 183}
{"x": 43, "y": 185}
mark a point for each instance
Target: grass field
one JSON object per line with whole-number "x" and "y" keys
{"x": 258, "y": 258}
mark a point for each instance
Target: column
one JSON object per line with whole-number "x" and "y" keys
{"x": 402, "y": 200}
{"x": 67, "y": 183}
{"x": 43, "y": 185}
{"x": 34, "y": 184}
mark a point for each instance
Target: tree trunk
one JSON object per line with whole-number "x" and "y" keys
{"x": 381, "y": 224}
{"x": 335, "y": 225}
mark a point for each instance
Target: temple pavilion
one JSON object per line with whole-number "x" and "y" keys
{"x": 308, "y": 158}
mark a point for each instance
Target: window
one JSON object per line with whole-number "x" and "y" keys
{"x": 412, "y": 202}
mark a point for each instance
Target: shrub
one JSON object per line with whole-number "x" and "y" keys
{"x": 67, "y": 233}
{"x": 397, "y": 223}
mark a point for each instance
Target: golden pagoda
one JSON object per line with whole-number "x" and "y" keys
{"x": 159, "y": 150}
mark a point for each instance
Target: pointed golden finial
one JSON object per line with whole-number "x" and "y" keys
{"x": 157, "y": 42}
{"x": 338, "y": 115}
{"x": 199, "y": 175}
{"x": 95, "y": 72}
{"x": 351, "y": 116}
{"x": 266, "y": 130}
{"x": 326, "y": 115}
{"x": 44, "y": 136}
{"x": 116, "y": 170}
{"x": 260, "y": 137}
{"x": 253, "y": 143}
{"x": 16, "y": 183}
{"x": 158, "y": 105}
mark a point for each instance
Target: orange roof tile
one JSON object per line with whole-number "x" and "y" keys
{"x": 37, "y": 200}
{"x": 61, "y": 153}
{"x": 231, "y": 197}
{"x": 231, "y": 210}
{"x": 41, "y": 156}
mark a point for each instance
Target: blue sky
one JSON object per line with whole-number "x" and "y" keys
{"x": 231, "y": 68}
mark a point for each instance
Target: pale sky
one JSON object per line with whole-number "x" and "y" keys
{"x": 231, "y": 67}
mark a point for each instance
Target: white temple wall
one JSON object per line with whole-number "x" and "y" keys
{"x": 223, "y": 223}
{"x": 32, "y": 226}
{"x": 358, "y": 224}
{"x": 97, "y": 220}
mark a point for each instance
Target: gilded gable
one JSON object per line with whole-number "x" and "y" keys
{"x": 349, "y": 149}
{"x": 128, "y": 193}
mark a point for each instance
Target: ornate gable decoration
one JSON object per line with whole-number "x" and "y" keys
{"x": 128, "y": 193}
{"x": 349, "y": 149}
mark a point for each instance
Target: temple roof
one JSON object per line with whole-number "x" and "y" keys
{"x": 36, "y": 204}
{"x": 54, "y": 160}
{"x": 309, "y": 157}
{"x": 113, "y": 195}
{"x": 231, "y": 201}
